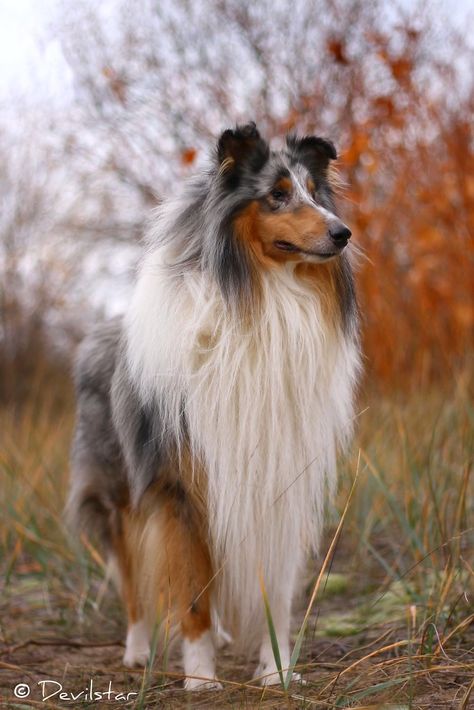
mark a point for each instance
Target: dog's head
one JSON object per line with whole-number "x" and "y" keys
{"x": 283, "y": 206}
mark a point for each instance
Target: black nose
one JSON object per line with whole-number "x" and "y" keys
{"x": 340, "y": 234}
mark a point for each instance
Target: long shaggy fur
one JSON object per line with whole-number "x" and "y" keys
{"x": 265, "y": 406}
{"x": 228, "y": 388}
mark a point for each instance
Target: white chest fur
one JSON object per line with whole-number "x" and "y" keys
{"x": 266, "y": 407}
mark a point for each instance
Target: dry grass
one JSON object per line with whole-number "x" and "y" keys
{"x": 392, "y": 625}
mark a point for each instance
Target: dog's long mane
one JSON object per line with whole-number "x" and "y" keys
{"x": 261, "y": 403}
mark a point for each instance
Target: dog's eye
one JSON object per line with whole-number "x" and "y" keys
{"x": 278, "y": 195}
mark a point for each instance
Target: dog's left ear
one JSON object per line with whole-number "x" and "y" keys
{"x": 242, "y": 146}
{"x": 314, "y": 151}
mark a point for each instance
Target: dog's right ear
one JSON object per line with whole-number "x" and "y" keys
{"x": 241, "y": 147}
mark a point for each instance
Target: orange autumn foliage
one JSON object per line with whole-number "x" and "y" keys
{"x": 416, "y": 227}
{"x": 408, "y": 167}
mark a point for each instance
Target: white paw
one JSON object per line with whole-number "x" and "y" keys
{"x": 296, "y": 678}
{"x": 134, "y": 657}
{"x": 199, "y": 663}
{"x": 197, "y": 684}
{"x": 269, "y": 675}
{"x": 137, "y": 648}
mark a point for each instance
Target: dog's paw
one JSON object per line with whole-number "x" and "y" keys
{"x": 134, "y": 657}
{"x": 269, "y": 675}
{"x": 296, "y": 678}
{"x": 137, "y": 647}
{"x": 199, "y": 684}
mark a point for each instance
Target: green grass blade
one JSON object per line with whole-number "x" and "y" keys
{"x": 295, "y": 654}
{"x": 344, "y": 701}
{"x": 272, "y": 632}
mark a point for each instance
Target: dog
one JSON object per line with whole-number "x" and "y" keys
{"x": 210, "y": 416}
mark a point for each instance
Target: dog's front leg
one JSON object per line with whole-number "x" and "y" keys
{"x": 267, "y": 670}
{"x": 190, "y": 571}
{"x": 280, "y": 600}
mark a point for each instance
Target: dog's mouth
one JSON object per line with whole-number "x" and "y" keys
{"x": 293, "y": 249}
{"x": 286, "y": 246}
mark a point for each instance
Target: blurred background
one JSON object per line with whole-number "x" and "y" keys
{"x": 106, "y": 107}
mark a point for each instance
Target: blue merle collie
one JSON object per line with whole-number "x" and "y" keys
{"x": 209, "y": 418}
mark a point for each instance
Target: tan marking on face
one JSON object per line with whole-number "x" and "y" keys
{"x": 284, "y": 184}
{"x": 246, "y": 227}
{"x": 260, "y": 229}
{"x": 303, "y": 227}
{"x": 310, "y": 186}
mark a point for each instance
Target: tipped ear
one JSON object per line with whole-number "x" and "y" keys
{"x": 242, "y": 146}
{"x": 314, "y": 151}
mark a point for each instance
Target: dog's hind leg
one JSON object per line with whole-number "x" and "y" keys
{"x": 91, "y": 511}
{"x": 137, "y": 646}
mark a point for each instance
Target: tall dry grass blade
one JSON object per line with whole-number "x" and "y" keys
{"x": 344, "y": 701}
{"x": 464, "y": 702}
{"x": 462, "y": 625}
{"x": 378, "y": 651}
